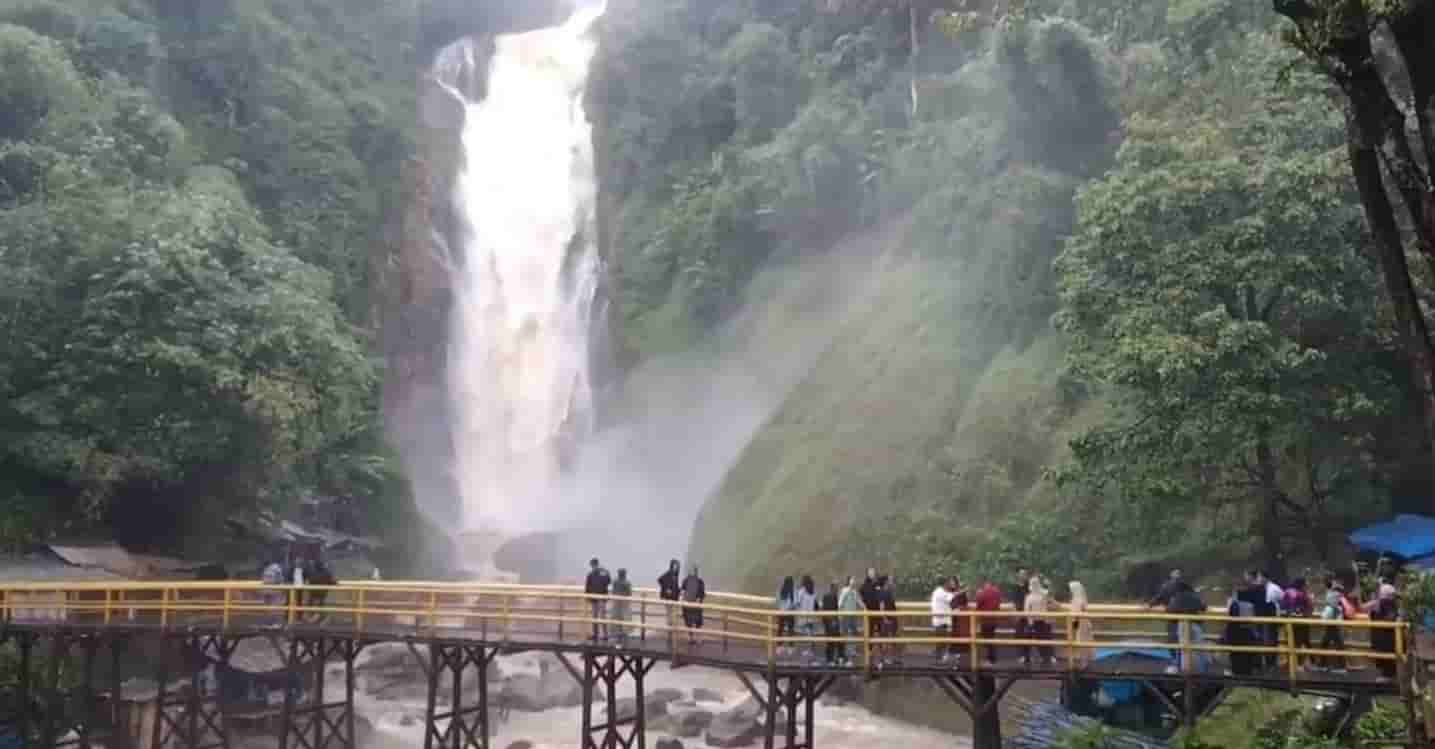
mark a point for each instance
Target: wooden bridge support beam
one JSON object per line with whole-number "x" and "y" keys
{"x": 191, "y": 718}
{"x": 980, "y": 696}
{"x": 466, "y": 723}
{"x": 788, "y": 693}
{"x": 314, "y": 722}
{"x": 617, "y": 731}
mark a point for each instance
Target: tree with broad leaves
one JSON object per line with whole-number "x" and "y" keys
{"x": 1215, "y": 290}
{"x": 1381, "y": 56}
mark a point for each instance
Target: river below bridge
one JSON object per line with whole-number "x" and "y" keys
{"x": 397, "y": 714}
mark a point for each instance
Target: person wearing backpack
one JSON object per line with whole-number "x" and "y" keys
{"x": 1296, "y": 603}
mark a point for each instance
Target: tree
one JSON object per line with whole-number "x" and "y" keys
{"x": 919, "y": 18}
{"x": 1215, "y": 292}
{"x": 1347, "y": 40}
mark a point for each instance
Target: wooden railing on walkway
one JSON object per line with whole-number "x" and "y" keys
{"x": 745, "y": 630}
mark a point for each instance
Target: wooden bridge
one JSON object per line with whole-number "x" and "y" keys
{"x": 68, "y": 642}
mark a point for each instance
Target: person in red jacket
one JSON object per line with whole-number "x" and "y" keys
{"x": 989, "y": 598}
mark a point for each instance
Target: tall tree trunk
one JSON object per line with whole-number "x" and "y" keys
{"x": 1367, "y": 123}
{"x": 1336, "y": 35}
{"x": 1272, "y": 553}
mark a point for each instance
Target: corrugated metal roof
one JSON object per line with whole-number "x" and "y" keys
{"x": 39, "y": 570}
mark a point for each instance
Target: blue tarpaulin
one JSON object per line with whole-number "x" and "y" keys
{"x": 1407, "y": 536}
{"x": 1125, "y": 691}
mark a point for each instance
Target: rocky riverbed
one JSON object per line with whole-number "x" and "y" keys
{"x": 688, "y": 707}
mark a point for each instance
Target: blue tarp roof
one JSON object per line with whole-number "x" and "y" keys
{"x": 1407, "y": 536}
{"x": 1157, "y": 654}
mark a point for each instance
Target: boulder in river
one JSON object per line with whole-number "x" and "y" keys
{"x": 706, "y": 695}
{"x": 668, "y": 744}
{"x": 737, "y": 727}
{"x": 530, "y": 693}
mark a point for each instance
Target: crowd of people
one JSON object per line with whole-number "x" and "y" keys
{"x": 801, "y": 605}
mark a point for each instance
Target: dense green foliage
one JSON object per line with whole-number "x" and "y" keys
{"x": 190, "y": 194}
{"x": 1123, "y": 272}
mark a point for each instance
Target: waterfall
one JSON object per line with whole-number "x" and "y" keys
{"x": 524, "y": 279}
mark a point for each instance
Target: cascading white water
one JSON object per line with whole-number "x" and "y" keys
{"x": 526, "y": 279}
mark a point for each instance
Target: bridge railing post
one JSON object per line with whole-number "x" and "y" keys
{"x": 291, "y": 612}
{"x": 867, "y": 640}
{"x": 643, "y": 618}
{"x": 1292, "y": 665}
{"x": 228, "y": 595}
{"x": 1071, "y": 630}
{"x": 360, "y": 604}
{"x": 771, "y": 625}
{"x": 109, "y": 602}
{"x": 972, "y": 632}
{"x": 1183, "y": 638}
{"x": 164, "y": 607}
{"x": 507, "y": 616}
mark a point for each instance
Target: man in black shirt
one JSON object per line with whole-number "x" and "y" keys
{"x": 597, "y": 586}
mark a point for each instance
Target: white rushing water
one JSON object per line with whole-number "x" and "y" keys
{"x": 526, "y": 279}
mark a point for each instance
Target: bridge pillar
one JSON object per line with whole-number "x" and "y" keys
{"x": 787, "y": 694}
{"x": 466, "y": 722}
{"x": 607, "y": 670}
{"x": 191, "y": 717}
{"x": 980, "y": 696}
{"x": 314, "y": 722}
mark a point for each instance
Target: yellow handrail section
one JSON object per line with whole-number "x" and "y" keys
{"x": 742, "y": 629}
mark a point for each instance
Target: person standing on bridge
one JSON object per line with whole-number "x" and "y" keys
{"x": 942, "y": 597}
{"x": 694, "y": 591}
{"x": 872, "y": 601}
{"x": 1039, "y": 628}
{"x": 1384, "y": 609}
{"x": 1296, "y": 604}
{"x": 831, "y": 626}
{"x": 989, "y": 599}
{"x": 850, "y": 602}
{"x": 1333, "y": 612}
{"x": 622, "y": 591}
{"x": 670, "y": 586}
{"x": 1017, "y": 595}
{"x": 891, "y": 624}
{"x": 596, "y": 587}
{"x": 806, "y": 607}
{"x": 1080, "y": 606}
{"x": 786, "y": 602}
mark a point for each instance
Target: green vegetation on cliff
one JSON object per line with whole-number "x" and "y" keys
{"x": 1120, "y": 307}
{"x": 190, "y": 198}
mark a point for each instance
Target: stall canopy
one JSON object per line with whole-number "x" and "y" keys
{"x": 1406, "y": 536}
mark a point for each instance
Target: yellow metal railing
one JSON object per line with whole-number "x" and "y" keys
{"x": 745, "y": 628}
